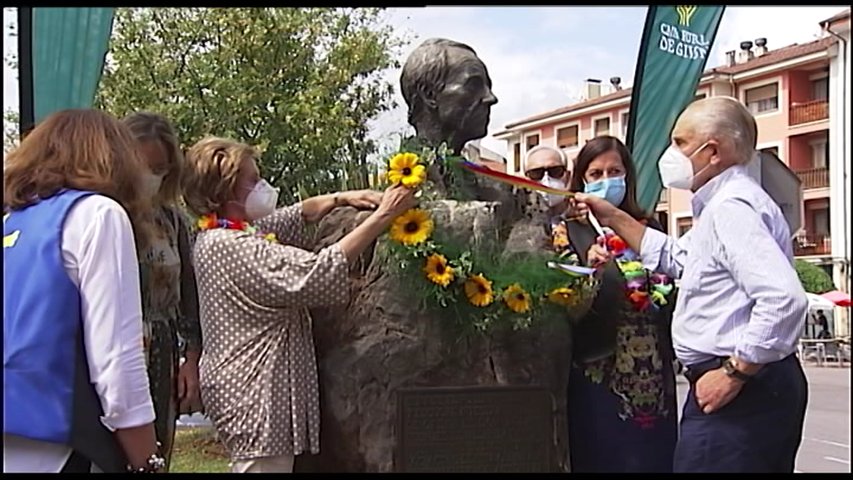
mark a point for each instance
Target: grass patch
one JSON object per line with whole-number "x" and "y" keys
{"x": 197, "y": 450}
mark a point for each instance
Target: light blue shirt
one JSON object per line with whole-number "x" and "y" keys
{"x": 739, "y": 292}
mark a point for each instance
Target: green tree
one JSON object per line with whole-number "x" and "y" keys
{"x": 10, "y": 130}
{"x": 299, "y": 83}
{"x": 813, "y": 278}
{"x": 10, "y": 116}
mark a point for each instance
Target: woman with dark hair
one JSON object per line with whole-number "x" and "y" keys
{"x": 621, "y": 398}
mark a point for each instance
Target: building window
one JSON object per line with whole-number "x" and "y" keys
{"x": 625, "y": 119}
{"x": 821, "y": 221}
{"x": 602, "y": 127}
{"x": 516, "y": 155}
{"x": 567, "y": 137}
{"x": 663, "y": 219}
{"x": 683, "y": 225}
{"x": 820, "y": 89}
{"x": 532, "y": 141}
{"x": 763, "y": 99}
{"x": 820, "y": 153}
{"x": 771, "y": 150}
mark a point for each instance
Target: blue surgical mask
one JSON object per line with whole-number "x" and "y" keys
{"x": 611, "y": 189}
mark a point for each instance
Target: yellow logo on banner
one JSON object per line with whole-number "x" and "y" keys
{"x": 685, "y": 13}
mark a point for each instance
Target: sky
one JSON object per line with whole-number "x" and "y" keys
{"x": 539, "y": 57}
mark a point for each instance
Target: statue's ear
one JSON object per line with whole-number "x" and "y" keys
{"x": 428, "y": 96}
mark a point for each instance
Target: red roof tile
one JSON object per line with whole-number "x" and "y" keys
{"x": 770, "y": 58}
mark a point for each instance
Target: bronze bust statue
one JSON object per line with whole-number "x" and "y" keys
{"x": 449, "y": 93}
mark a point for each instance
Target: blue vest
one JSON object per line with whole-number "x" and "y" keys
{"x": 41, "y": 322}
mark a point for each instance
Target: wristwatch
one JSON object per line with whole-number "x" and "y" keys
{"x": 730, "y": 367}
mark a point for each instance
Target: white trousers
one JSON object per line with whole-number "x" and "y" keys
{"x": 279, "y": 464}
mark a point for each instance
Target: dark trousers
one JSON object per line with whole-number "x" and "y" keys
{"x": 759, "y": 431}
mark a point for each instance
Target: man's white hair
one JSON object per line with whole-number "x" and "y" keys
{"x": 539, "y": 148}
{"x": 726, "y": 118}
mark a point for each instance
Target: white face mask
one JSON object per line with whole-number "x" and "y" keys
{"x": 152, "y": 184}
{"x": 261, "y": 201}
{"x": 555, "y": 183}
{"x": 676, "y": 169}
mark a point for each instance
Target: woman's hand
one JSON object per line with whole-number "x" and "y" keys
{"x": 189, "y": 392}
{"x": 361, "y": 199}
{"x": 396, "y": 200}
{"x": 597, "y": 255}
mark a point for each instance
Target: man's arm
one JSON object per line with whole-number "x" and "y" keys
{"x": 765, "y": 273}
{"x": 658, "y": 251}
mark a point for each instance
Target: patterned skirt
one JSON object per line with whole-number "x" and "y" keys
{"x": 602, "y": 439}
{"x": 162, "y": 360}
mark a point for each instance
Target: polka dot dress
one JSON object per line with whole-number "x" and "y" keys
{"x": 258, "y": 369}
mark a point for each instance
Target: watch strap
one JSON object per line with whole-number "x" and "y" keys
{"x": 732, "y": 371}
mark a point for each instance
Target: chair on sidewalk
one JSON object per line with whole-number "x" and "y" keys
{"x": 838, "y": 351}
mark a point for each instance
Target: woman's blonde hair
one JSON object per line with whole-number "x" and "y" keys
{"x": 152, "y": 127}
{"x": 82, "y": 149}
{"x": 213, "y": 164}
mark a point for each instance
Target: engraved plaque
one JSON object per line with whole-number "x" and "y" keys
{"x": 474, "y": 429}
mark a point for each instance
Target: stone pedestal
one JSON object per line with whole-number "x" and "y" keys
{"x": 380, "y": 343}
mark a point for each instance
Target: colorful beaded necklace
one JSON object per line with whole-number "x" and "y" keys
{"x": 211, "y": 221}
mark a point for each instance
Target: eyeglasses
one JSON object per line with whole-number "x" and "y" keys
{"x": 553, "y": 172}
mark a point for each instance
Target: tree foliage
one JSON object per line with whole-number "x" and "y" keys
{"x": 299, "y": 83}
{"x": 813, "y": 278}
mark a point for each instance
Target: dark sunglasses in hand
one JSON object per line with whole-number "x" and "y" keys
{"x": 553, "y": 172}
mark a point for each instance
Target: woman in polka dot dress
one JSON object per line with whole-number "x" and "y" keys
{"x": 259, "y": 379}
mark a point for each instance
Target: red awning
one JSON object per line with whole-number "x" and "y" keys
{"x": 837, "y": 297}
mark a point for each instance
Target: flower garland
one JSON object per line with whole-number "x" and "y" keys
{"x": 211, "y": 221}
{"x": 645, "y": 290}
{"x": 456, "y": 280}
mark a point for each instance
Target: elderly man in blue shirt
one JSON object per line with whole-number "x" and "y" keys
{"x": 740, "y": 306}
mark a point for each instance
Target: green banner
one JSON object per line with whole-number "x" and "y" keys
{"x": 674, "y": 49}
{"x": 69, "y": 46}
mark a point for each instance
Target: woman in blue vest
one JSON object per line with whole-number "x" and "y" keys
{"x": 169, "y": 298}
{"x": 75, "y": 391}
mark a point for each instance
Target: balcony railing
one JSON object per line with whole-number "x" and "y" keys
{"x": 814, "y": 178}
{"x": 805, "y": 112}
{"x": 812, "y": 244}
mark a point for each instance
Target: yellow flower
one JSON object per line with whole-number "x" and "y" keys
{"x": 517, "y": 299}
{"x": 479, "y": 290}
{"x": 404, "y": 168}
{"x": 412, "y": 227}
{"x": 438, "y": 271}
{"x": 563, "y": 296}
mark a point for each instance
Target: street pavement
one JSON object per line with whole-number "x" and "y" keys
{"x": 826, "y": 435}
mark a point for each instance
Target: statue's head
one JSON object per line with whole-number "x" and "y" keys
{"x": 448, "y": 91}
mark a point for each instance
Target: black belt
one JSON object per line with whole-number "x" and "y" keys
{"x": 694, "y": 372}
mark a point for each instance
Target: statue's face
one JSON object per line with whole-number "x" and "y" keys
{"x": 466, "y": 101}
